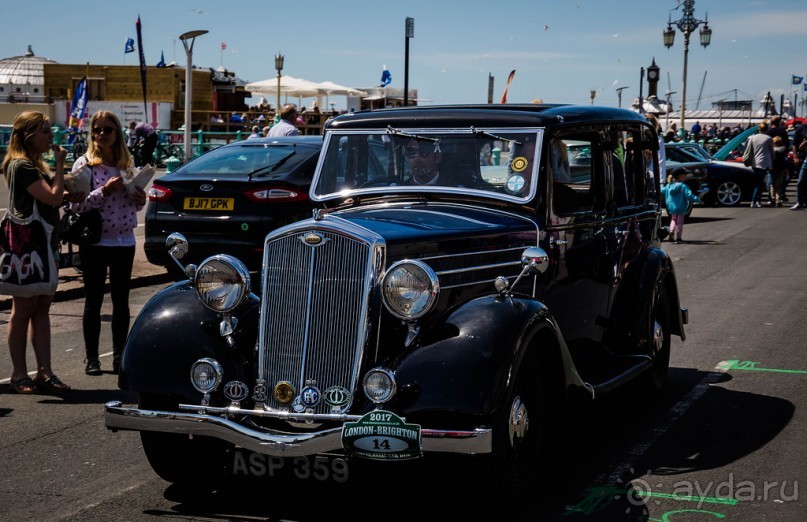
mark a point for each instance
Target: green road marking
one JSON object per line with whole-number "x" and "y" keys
{"x": 667, "y": 517}
{"x": 690, "y": 498}
{"x": 600, "y": 497}
{"x": 750, "y": 366}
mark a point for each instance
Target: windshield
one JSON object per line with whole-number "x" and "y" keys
{"x": 500, "y": 163}
{"x": 257, "y": 161}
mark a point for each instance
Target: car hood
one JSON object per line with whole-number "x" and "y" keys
{"x": 418, "y": 230}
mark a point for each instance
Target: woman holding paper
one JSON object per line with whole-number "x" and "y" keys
{"x": 109, "y": 164}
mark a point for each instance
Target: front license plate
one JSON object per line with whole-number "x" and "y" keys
{"x": 322, "y": 468}
{"x": 221, "y": 204}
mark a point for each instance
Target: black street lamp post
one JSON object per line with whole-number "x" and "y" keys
{"x": 687, "y": 25}
{"x": 410, "y": 33}
{"x": 279, "y": 67}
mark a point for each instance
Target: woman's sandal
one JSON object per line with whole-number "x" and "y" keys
{"x": 53, "y": 384}
{"x": 24, "y": 386}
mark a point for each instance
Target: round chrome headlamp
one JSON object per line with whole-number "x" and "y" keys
{"x": 222, "y": 282}
{"x": 410, "y": 289}
{"x": 379, "y": 385}
{"x": 206, "y": 375}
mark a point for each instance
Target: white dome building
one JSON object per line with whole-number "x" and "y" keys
{"x": 22, "y": 78}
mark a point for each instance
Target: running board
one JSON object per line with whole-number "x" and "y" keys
{"x": 642, "y": 363}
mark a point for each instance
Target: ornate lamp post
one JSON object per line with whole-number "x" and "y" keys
{"x": 279, "y": 67}
{"x": 687, "y": 25}
{"x": 187, "y": 41}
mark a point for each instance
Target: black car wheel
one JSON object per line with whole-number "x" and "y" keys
{"x": 657, "y": 345}
{"x": 729, "y": 194}
{"x": 517, "y": 438}
{"x": 179, "y": 459}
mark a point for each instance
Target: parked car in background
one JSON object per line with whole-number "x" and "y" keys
{"x": 724, "y": 183}
{"x": 440, "y": 303}
{"x": 734, "y": 149}
{"x": 228, "y": 199}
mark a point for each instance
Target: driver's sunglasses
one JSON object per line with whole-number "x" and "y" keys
{"x": 105, "y": 130}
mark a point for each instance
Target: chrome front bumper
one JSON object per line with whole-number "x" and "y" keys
{"x": 119, "y": 417}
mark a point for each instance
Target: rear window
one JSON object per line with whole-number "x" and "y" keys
{"x": 261, "y": 160}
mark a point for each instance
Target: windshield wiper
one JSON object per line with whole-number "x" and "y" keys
{"x": 273, "y": 167}
{"x": 399, "y": 132}
{"x": 477, "y": 132}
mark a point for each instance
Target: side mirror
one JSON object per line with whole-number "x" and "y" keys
{"x": 534, "y": 260}
{"x": 177, "y": 247}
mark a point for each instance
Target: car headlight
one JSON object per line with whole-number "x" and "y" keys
{"x": 206, "y": 375}
{"x": 379, "y": 385}
{"x": 410, "y": 289}
{"x": 222, "y": 282}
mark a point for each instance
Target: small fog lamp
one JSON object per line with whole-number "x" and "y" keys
{"x": 379, "y": 385}
{"x": 206, "y": 375}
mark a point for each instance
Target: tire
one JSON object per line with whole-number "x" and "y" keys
{"x": 180, "y": 459}
{"x": 512, "y": 470}
{"x": 729, "y": 194}
{"x": 657, "y": 345}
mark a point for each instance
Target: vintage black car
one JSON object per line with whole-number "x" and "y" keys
{"x": 462, "y": 280}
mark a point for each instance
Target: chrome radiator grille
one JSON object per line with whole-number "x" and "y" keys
{"x": 313, "y": 312}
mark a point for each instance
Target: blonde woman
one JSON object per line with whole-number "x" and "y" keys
{"x": 109, "y": 160}
{"x": 28, "y": 179}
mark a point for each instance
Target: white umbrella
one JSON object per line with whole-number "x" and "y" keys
{"x": 329, "y": 88}
{"x": 289, "y": 85}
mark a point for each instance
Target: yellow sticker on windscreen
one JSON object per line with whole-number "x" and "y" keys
{"x": 519, "y": 164}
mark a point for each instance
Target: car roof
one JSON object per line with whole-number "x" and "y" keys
{"x": 490, "y": 116}
{"x": 313, "y": 141}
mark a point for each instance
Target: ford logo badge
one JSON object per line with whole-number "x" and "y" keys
{"x": 236, "y": 391}
{"x": 207, "y": 187}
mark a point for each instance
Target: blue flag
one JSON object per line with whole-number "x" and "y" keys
{"x": 129, "y": 46}
{"x": 797, "y": 79}
{"x": 161, "y": 63}
{"x": 386, "y": 77}
{"x": 78, "y": 109}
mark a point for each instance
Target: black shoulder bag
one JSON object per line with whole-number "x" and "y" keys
{"x": 80, "y": 229}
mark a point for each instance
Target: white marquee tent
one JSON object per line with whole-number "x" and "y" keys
{"x": 291, "y": 86}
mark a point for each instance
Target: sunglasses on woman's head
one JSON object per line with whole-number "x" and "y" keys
{"x": 105, "y": 130}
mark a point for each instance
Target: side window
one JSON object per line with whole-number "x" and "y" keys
{"x": 572, "y": 163}
{"x": 628, "y": 168}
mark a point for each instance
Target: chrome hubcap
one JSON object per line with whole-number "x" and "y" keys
{"x": 658, "y": 338}
{"x": 729, "y": 193}
{"x": 519, "y": 422}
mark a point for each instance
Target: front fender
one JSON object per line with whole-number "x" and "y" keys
{"x": 467, "y": 371}
{"x": 172, "y": 331}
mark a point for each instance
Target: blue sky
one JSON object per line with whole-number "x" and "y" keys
{"x": 561, "y": 49}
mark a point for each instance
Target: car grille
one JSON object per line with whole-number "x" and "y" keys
{"x": 314, "y": 311}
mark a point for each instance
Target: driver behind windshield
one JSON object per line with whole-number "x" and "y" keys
{"x": 424, "y": 159}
